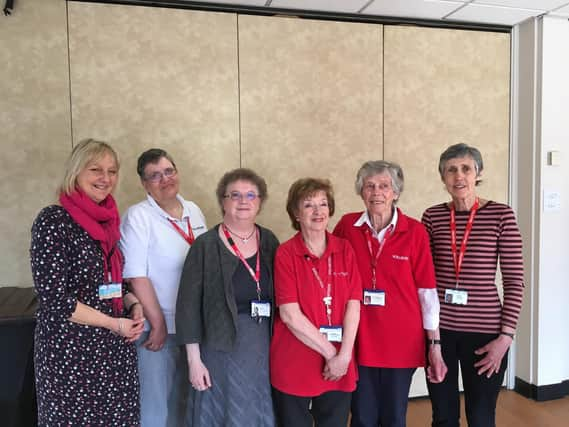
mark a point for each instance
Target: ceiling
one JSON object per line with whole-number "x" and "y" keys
{"x": 495, "y": 12}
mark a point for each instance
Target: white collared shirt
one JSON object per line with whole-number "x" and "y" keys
{"x": 153, "y": 248}
{"x": 365, "y": 219}
{"x": 428, "y": 298}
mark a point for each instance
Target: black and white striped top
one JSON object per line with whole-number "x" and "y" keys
{"x": 495, "y": 236}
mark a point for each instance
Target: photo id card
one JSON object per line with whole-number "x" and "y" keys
{"x": 260, "y": 308}
{"x": 455, "y": 296}
{"x": 374, "y": 297}
{"x": 110, "y": 290}
{"x": 333, "y": 333}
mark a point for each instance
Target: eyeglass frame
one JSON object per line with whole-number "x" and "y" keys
{"x": 158, "y": 175}
{"x": 236, "y": 196}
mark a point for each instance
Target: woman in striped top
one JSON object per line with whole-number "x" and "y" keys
{"x": 468, "y": 236}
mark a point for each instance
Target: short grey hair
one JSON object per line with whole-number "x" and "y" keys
{"x": 460, "y": 150}
{"x": 377, "y": 167}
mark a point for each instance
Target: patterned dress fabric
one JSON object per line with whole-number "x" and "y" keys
{"x": 85, "y": 375}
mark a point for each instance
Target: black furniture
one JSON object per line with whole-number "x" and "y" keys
{"x": 17, "y": 323}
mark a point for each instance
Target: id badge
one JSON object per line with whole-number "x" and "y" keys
{"x": 260, "y": 308}
{"x": 455, "y": 296}
{"x": 110, "y": 290}
{"x": 333, "y": 333}
{"x": 374, "y": 297}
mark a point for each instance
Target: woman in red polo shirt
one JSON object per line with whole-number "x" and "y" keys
{"x": 401, "y": 308}
{"x": 318, "y": 292}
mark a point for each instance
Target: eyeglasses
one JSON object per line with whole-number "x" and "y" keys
{"x": 157, "y": 176}
{"x": 237, "y": 196}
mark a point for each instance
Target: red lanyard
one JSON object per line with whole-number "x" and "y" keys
{"x": 457, "y": 259}
{"x": 108, "y": 264}
{"x": 381, "y": 245}
{"x": 328, "y": 298}
{"x": 188, "y": 237}
{"x": 255, "y": 275}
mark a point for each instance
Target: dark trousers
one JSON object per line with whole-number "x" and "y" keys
{"x": 480, "y": 392}
{"x": 330, "y": 409}
{"x": 381, "y": 397}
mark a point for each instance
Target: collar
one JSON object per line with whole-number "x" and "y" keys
{"x": 163, "y": 213}
{"x": 365, "y": 219}
{"x": 332, "y": 246}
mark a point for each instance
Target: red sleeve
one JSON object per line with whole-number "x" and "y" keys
{"x": 356, "y": 292}
{"x": 339, "y": 229}
{"x": 285, "y": 277}
{"x": 422, "y": 260}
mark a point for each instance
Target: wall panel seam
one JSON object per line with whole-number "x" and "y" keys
{"x": 69, "y": 73}
{"x": 239, "y": 92}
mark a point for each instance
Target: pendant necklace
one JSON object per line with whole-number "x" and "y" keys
{"x": 243, "y": 239}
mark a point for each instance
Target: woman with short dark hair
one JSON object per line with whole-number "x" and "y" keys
{"x": 318, "y": 292}
{"x": 156, "y": 235}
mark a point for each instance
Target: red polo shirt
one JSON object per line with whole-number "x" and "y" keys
{"x": 392, "y": 336}
{"x": 295, "y": 368}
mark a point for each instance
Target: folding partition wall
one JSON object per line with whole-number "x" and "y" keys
{"x": 446, "y": 86}
{"x": 150, "y": 77}
{"x": 287, "y": 97}
{"x": 311, "y": 105}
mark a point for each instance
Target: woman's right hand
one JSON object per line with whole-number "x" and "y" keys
{"x": 199, "y": 375}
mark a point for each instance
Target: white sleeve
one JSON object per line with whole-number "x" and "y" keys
{"x": 135, "y": 235}
{"x": 430, "y": 308}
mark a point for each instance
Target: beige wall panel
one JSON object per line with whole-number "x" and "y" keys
{"x": 35, "y": 135}
{"x": 443, "y": 87}
{"x": 145, "y": 77}
{"x": 311, "y": 105}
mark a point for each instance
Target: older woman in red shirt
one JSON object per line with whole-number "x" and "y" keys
{"x": 318, "y": 292}
{"x": 401, "y": 309}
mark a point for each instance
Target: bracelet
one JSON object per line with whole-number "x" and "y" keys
{"x": 434, "y": 342}
{"x": 131, "y": 306}
{"x": 121, "y": 325}
{"x": 508, "y": 334}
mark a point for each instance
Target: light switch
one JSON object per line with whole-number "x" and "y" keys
{"x": 553, "y": 158}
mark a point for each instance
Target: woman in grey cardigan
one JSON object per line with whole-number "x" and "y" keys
{"x": 224, "y": 310}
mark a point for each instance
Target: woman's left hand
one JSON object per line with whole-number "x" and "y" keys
{"x": 437, "y": 369}
{"x": 494, "y": 350}
{"x": 336, "y": 367}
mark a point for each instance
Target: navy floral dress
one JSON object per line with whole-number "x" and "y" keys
{"x": 85, "y": 375}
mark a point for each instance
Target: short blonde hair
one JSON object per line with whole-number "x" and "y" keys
{"x": 85, "y": 152}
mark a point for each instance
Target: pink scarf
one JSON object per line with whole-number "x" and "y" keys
{"x": 101, "y": 221}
